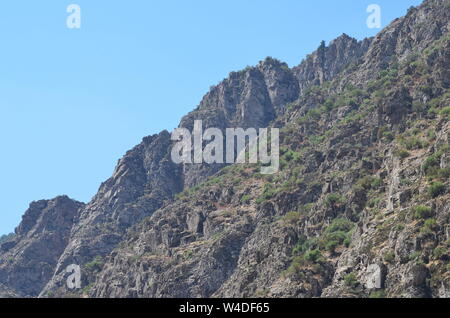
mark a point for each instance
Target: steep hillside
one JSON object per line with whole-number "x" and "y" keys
{"x": 360, "y": 207}
{"x": 27, "y": 261}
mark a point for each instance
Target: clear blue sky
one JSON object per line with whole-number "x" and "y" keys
{"x": 72, "y": 102}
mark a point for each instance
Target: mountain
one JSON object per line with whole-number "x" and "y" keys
{"x": 28, "y": 260}
{"x": 360, "y": 207}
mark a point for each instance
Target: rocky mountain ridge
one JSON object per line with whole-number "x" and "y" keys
{"x": 360, "y": 207}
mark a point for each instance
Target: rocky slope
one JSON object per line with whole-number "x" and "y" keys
{"x": 344, "y": 217}
{"x": 28, "y": 261}
{"x": 360, "y": 207}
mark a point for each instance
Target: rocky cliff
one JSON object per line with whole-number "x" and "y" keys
{"x": 28, "y": 261}
{"x": 360, "y": 207}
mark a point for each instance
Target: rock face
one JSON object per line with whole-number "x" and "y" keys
{"x": 142, "y": 181}
{"x": 406, "y": 37}
{"x": 250, "y": 98}
{"x": 360, "y": 206}
{"x": 328, "y": 61}
{"x": 5, "y": 292}
{"x": 28, "y": 261}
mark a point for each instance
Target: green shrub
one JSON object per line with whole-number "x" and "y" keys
{"x": 374, "y": 202}
{"x": 431, "y": 134}
{"x": 376, "y": 183}
{"x": 402, "y": 153}
{"x": 388, "y": 135}
{"x": 439, "y": 252}
{"x": 334, "y": 199}
{"x": 378, "y": 294}
{"x": 329, "y": 104}
{"x": 369, "y": 182}
{"x": 422, "y": 212}
{"x": 444, "y": 173}
{"x": 95, "y": 265}
{"x": 347, "y": 242}
{"x": 314, "y": 114}
{"x": 306, "y": 208}
{"x": 432, "y": 163}
{"x": 415, "y": 256}
{"x": 300, "y": 261}
{"x": 331, "y": 246}
{"x": 313, "y": 256}
{"x": 351, "y": 280}
{"x": 296, "y": 266}
{"x": 316, "y": 140}
{"x": 340, "y": 224}
{"x": 87, "y": 289}
{"x": 445, "y": 111}
{"x": 389, "y": 257}
{"x": 269, "y": 193}
{"x": 188, "y": 254}
{"x": 337, "y": 233}
{"x": 259, "y": 200}
{"x": 365, "y": 182}
{"x": 431, "y": 224}
{"x": 245, "y": 199}
{"x": 436, "y": 189}
{"x": 302, "y": 246}
{"x": 412, "y": 143}
{"x": 291, "y": 155}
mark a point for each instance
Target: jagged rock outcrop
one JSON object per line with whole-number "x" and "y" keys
{"x": 328, "y": 61}
{"x": 250, "y": 98}
{"x": 5, "y": 292}
{"x": 359, "y": 208}
{"x": 253, "y": 97}
{"x": 341, "y": 220}
{"x": 146, "y": 176}
{"x": 406, "y": 38}
{"x": 27, "y": 262}
{"x": 143, "y": 180}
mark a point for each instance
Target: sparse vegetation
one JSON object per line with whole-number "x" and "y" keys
{"x": 389, "y": 257}
{"x": 334, "y": 200}
{"x": 422, "y": 212}
{"x": 95, "y": 265}
{"x": 292, "y": 217}
{"x": 245, "y": 199}
{"x": 431, "y": 164}
{"x": 402, "y": 153}
{"x": 314, "y": 256}
{"x": 363, "y": 181}
{"x": 412, "y": 143}
{"x": 378, "y": 294}
{"x": 445, "y": 111}
{"x": 440, "y": 252}
{"x": 351, "y": 280}
{"x": 436, "y": 189}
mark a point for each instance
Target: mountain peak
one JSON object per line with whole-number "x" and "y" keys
{"x": 40, "y": 240}
{"x": 328, "y": 61}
